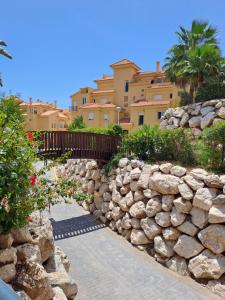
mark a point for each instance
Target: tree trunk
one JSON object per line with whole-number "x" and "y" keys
{"x": 192, "y": 89}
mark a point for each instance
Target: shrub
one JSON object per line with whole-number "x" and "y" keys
{"x": 77, "y": 123}
{"x": 212, "y": 147}
{"x": 111, "y": 130}
{"x": 154, "y": 144}
{"x": 185, "y": 98}
{"x": 17, "y": 155}
{"x": 208, "y": 91}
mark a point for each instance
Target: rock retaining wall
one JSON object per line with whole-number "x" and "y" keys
{"x": 198, "y": 115}
{"x": 177, "y": 215}
{"x": 33, "y": 266}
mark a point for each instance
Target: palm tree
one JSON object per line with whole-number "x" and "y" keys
{"x": 4, "y": 53}
{"x": 196, "y": 58}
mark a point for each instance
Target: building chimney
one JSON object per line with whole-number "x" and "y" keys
{"x": 158, "y": 68}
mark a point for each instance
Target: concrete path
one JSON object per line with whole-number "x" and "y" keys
{"x": 106, "y": 267}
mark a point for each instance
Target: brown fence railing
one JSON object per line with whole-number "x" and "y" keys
{"x": 81, "y": 144}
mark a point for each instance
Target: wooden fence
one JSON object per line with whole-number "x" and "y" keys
{"x": 81, "y": 145}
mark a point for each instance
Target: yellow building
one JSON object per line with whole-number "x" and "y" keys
{"x": 130, "y": 97}
{"x": 44, "y": 116}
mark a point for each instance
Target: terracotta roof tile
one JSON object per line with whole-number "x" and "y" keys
{"x": 101, "y": 91}
{"x": 150, "y": 103}
{"x": 97, "y": 105}
{"x": 125, "y": 62}
{"x": 49, "y": 112}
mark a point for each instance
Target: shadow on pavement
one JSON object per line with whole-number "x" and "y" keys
{"x": 75, "y": 226}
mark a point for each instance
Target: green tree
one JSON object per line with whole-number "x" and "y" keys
{"x": 196, "y": 58}
{"x": 4, "y": 53}
{"x": 78, "y": 123}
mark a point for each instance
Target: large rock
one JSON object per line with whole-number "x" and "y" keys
{"x": 22, "y": 235}
{"x": 33, "y": 279}
{"x": 207, "y": 265}
{"x": 137, "y": 210}
{"x": 195, "y": 121}
{"x": 199, "y": 217}
{"x": 162, "y": 247}
{"x": 6, "y": 240}
{"x": 163, "y": 219}
{"x": 59, "y": 294}
{"x": 194, "y": 183}
{"x": 144, "y": 178}
{"x": 164, "y": 184}
{"x": 165, "y": 168}
{"x": 8, "y": 256}
{"x": 138, "y": 195}
{"x": 138, "y": 237}
{"x": 123, "y": 162}
{"x": 177, "y": 217}
{"x": 187, "y": 246}
{"x": 182, "y": 206}
{"x": 205, "y": 110}
{"x": 117, "y": 213}
{"x": 199, "y": 174}
{"x": 129, "y": 198}
{"x": 126, "y": 221}
{"x": 217, "y": 213}
{"x": 8, "y": 272}
{"x": 171, "y": 233}
{"x": 213, "y": 181}
{"x": 184, "y": 120}
{"x": 178, "y": 112}
{"x": 207, "y": 119}
{"x": 217, "y": 287}
{"x": 178, "y": 171}
{"x": 167, "y": 202}
{"x": 151, "y": 229}
{"x": 116, "y": 197}
{"x": 65, "y": 282}
{"x": 188, "y": 228}
{"x": 185, "y": 191}
{"x": 178, "y": 265}
{"x": 203, "y": 198}
{"x": 221, "y": 112}
{"x": 153, "y": 207}
{"x": 213, "y": 238}
{"x": 29, "y": 252}
{"x": 135, "y": 174}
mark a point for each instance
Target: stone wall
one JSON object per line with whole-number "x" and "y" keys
{"x": 198, "y": 115}
{"x": 176, "y": 215}
{"x": 32, "y": 265}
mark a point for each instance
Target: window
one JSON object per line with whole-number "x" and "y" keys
{"x": 126, "y": 101}
{"x": 160, "y": 114}
{"x": 53, "y": 125}
{"x": 171, "y": 95}
{"x": 157, "y": 97}
{"x": 84, "y": 100}
{"x": 141, "y": 119}
{"x": 106, "y": 117}
{"x": 126, "y": 86}
{"x": 90, "y": 116}
{"x": 62, "y": 124}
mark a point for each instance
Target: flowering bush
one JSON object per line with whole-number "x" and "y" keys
{"x": 17, "y": 154}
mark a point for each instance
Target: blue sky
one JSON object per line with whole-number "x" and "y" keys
{"x": 61, "y": 45}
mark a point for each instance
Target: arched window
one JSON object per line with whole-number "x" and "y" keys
{"x": 126, "y": 86}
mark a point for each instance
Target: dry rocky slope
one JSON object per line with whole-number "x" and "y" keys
{"x": 178, "y": 216}
{"x": 198, "y": 115}
{"x": 33, "y": 266}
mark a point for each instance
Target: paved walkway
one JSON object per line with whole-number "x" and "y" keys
{"x": 106, "y": 267}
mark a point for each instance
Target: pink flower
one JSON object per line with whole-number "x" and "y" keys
{"x": 33, "y": 180}
{"x": 30, "y": 136}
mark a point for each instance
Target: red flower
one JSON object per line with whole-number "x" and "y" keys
{"x": 30, "y": 136}
{"x": 29, "y": 219}
{"x": 33, "y": 180}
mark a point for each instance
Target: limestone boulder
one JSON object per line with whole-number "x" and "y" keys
{"x": 150, "y": 228}
{"x": 133, "y": 186}
{"x": 167, "y": 202}
{"x": 184, "y": 120}
{"x": 129, "y": 198}
{"x": 135, "y": 223}
{"x": 126, "y": 221}
{"x": 199, "y": 174}
{"x": 195, "y": 121}
{"x": 178, "y": 171}
{"x": 205, "y": 110}
{"x": 164, "y": 184}
{"x": 207, "y": 265}
{"x": 221, "y": 112}
{"x": 137, "y": 210}
{"x": 177, "y": 217}
{"x": 171, "y": 233}
{"x": 138, "y": 195}
{"x": 116, "y": 197}
{"x": 117, "y": 213}
{"x": 29, "y": 252}
{"x": 217, "y": 287}
{"x": 6, "y": 240}
{"x": 220, "y": 199}
{"x": 199, "y": 217}
{"x": 187, "y": 246}
{"x": 162, "y": 247}
{"x": 165, "y": 168}
{"x": 207, "y": 119}
{"x": 203, "y": 198}
{"x": 185, "y": 191}
{"x": 163, "y": 219}
{"x": 138, "y": 237}
{"x": 8, "y": 256}
{"x": 135, "y": 174}
{"x": 153, "y": 206}
{"x": 217, "y": 213}
{"x": 22, "y": 235}
{"x": 59, "y": 294}
{"x": 213, "y": 238}
{"x": 8, "y": 272}
{"x": 193, "y": 183}
{"x": 65, "y": 282}
{"x": 178, "y": 265}
{"x": 188, "y": 228}
{"x": 213, "y": 181}
{"x": 182, "y": 206}
{"x": 33, "y": 279}
{"x": 123, "y": 162}
{"x": 178, "y": 112}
